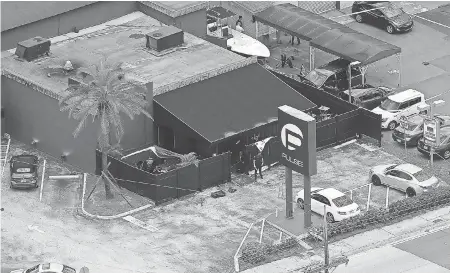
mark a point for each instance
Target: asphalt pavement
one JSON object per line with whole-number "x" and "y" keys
{"x": 430, "y": 253}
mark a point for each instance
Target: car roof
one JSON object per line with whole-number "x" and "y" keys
{"x": 405, "y": 95}
{"x": 324, "y": 71}
{"x": 331, "y": 193}
{"x": 51, "y": 267}
{"x": 445, "y": 119}
{"x": 336, "y": 65}
{"x": 409, "y": 168}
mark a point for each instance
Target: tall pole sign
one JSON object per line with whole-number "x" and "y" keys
{"x": 298, "y": 153}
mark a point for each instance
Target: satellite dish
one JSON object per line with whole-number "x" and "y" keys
{"x": 84, "y": 270}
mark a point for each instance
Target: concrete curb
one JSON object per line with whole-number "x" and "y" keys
{"x": 88, "y": 215}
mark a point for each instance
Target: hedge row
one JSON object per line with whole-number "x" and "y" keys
{"x": 254, "y": 252}
{"x": 427, "y": 200}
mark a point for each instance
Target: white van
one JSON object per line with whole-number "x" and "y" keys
{"x": 404, "y": 104}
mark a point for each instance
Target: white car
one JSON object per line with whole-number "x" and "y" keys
{"x": 47, "y": 268}
{"x": 403, "y": 177}
{"x": 339, "y": 206}
{"x": 402, "y": 104}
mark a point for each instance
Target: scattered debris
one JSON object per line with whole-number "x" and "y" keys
{"x": 218, "y": 194}
{"x": 35, "y": 228}
{"x": 231, "y": 190}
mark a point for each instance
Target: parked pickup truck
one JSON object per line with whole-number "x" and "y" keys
{"x": 402, "y": 104}
{"x": 332, "y": 77}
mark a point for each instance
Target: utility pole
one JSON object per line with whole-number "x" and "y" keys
{"x": 325, "y": 239}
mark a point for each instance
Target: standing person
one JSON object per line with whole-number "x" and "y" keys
{"x": 258, "y": 162}
{"x": 278, "y": 35}
{"x": 239, "y": 22}
{"x": 292, "y": 40}
{"x": 245, "y": 161}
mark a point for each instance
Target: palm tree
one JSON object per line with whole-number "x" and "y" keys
{"x": 109, "y": 93}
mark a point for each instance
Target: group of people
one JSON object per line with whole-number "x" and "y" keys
{"x": 245, "y": 163}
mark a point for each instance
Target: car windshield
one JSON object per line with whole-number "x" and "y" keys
{"x": 411, "y": 126}
{"x": 33, "y": 269}
{"x": 391, "y": 11}
{"x": 390, "y": 168}
{"x": 342, "y": 201}
{"x": 389, "y": 105}
{"x": 317, "y": 78}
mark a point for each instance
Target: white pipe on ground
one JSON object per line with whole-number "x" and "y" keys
{"x": 71, "y": 176}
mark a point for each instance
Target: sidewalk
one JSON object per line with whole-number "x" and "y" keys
{"x": 414, "y": 227}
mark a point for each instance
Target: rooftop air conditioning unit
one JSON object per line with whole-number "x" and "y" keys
{"x": 165, "y": 38}
{"x": 33, "y": 48}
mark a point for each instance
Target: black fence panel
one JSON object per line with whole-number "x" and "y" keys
{"x": 369, "y": 124}
{"x": 166, "y": 186}
{"x": 347, "y": 126}
{"x": 272, "y": 151}
{"x": 174, "y": 184}
{"x": 326, "y": 133}
{"x": 188, "y": 180}
{"x": 211, "y": 171}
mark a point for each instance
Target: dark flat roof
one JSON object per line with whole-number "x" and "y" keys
{"x": 326, "y": 34}
{"x": 176, "y": 8}
{"x": 230, "y": 103}
{"x": 19, "y": 13}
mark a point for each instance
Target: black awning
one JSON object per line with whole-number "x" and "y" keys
{"x": 231, "y": 103}
{"x": 297, "y": 21}
{"x": 354, "y": 46}
{"x": 326, "y": 34}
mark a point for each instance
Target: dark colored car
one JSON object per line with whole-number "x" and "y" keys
{"x": 383, "y": 14}
{"x": 332, "y": 77}
{"x": 368, "y": 98}
{"x": 414, "y": 129}
{"x": 443, "y": 149}
{"x": 24, "y": 171}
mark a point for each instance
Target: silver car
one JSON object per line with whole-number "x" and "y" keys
{"x": 403, "y": 177}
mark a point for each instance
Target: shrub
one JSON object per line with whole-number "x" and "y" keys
{"x": 253, "y": 252}
{"x": 427, "y": 200}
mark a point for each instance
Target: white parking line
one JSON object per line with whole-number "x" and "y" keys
{"x": 139, "y": 223}
{"x": 345, "y": 144}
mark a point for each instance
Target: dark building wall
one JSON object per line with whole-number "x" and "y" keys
{"x": 140, "y": 130}
{"x": 83, "y": 17}
{"x": 193, "y": 23}
{"x": 32, "y": 115}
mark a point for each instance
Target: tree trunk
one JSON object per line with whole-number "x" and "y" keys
{"x": 108, "y": 192}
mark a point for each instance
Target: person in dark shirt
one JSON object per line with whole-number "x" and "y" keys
{"x": 239, "y": 22}
{"x": 258, "y": 162}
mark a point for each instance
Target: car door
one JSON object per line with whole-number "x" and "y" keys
{"x": 411, "y": 108}
{"x": 404, "y": 181}
{"x": 331, "y": 84}
{"x": 374, "y": 100}
{"x": 392, "y": 179}
{"x": 317, "y": 203}
{"x": 342, "y": 80}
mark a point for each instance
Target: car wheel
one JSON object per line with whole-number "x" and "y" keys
{"x": 330, "y": 217}
{"x": 376, "y": 180}
{"x": 10, "y": 186}
{"x": 359, "y": 18}
{"x": 447, "y": 154}
{"x": 410, "y": 192}
{"x": 300, "y": 203}
{"x": 390, "y": 29}
{"x": 392, "y": 125}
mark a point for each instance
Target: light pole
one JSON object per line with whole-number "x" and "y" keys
{"x": 433, "y": 135}
{"x": 349, "y": 73}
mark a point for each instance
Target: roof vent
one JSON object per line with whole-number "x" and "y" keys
{"x": 33, "y": 48}
{"x": 165, "y": 38}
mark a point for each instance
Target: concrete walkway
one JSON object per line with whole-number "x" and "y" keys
{"x": 392, "y": 234}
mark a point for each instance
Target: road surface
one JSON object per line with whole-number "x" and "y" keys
{"x": 430, "y": 253}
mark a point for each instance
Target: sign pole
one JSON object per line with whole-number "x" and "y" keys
{"x": 307, "y": 202}
{"x": 289, "y": 199}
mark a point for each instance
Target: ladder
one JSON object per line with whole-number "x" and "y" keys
{"x": 4, "y": 153}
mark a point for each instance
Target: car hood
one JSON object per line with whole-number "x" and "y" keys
{"x": 401, "y": 19}
{"x": 381, "y": 168}
{"x": 383, "y": 113}
{"x": 429, "y": 182}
